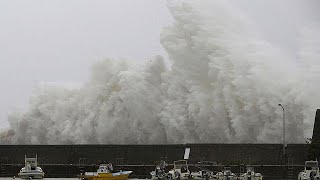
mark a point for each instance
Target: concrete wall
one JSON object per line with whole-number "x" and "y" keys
{"x": 265, "y": 154}
{"x": 71, "y": 160}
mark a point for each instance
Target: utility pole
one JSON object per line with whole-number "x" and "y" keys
{"x": 284, "y": 129}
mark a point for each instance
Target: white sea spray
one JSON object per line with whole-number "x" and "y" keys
{"x": 224, "y": 85}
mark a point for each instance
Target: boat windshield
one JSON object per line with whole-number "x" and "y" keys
{"x": 250, "y": 169}
{"x": 180, "y": 164}
{"x": 103, "y": 168}
{"x": 312, "y": 165}
{"x": 31, "y": 163}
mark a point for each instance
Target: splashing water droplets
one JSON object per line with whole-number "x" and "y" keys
{"x": 223, "y": 86}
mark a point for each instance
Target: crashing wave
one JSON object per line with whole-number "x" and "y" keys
{"x": 224, "y": 85}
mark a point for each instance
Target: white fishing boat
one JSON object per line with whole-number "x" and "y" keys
{"x": 159, "y": 172}
{"x": 251, "y": 174}
{"x": 204, "y": 173}
{"x": 180, "y": 170}
{"x": 31, "y": 170}
{"x": 310, "y": 172}
{"x": 226, "y": 174}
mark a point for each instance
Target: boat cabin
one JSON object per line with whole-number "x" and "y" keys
{"x": 311, "y": 165}
{"x": 105, "y": 168}
{"x": 250, "y": 169}
{"x": 30, "y": 163}
{"x": 182, "y": 165}
{"x": 227, "y": 171}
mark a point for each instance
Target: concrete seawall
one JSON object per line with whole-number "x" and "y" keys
{"x": 71, "y": 160}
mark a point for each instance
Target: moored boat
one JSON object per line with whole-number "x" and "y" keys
{"x": 31, "y": 170}
{"x": 251, "y": 174}
{"x": 310, "y": 172}
{"x": 159, "y": 172}
{"x": 105, "y": 173}
{"x": 226, "y": 174}
{"x": 180, "y": 171}
{"x": 204, "y": 170}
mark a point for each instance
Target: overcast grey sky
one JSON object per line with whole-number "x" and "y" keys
{"x": 57, "y": 40}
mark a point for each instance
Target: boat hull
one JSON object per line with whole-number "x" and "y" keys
{"x": 33, "y": 175}
{"x": 108, "y": 176}
{"x": 251, "y": 178}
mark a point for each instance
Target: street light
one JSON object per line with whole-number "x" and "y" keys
{"x": 284, "y": 129}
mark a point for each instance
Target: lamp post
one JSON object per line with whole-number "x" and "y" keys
{"x": 284, "y": 129}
